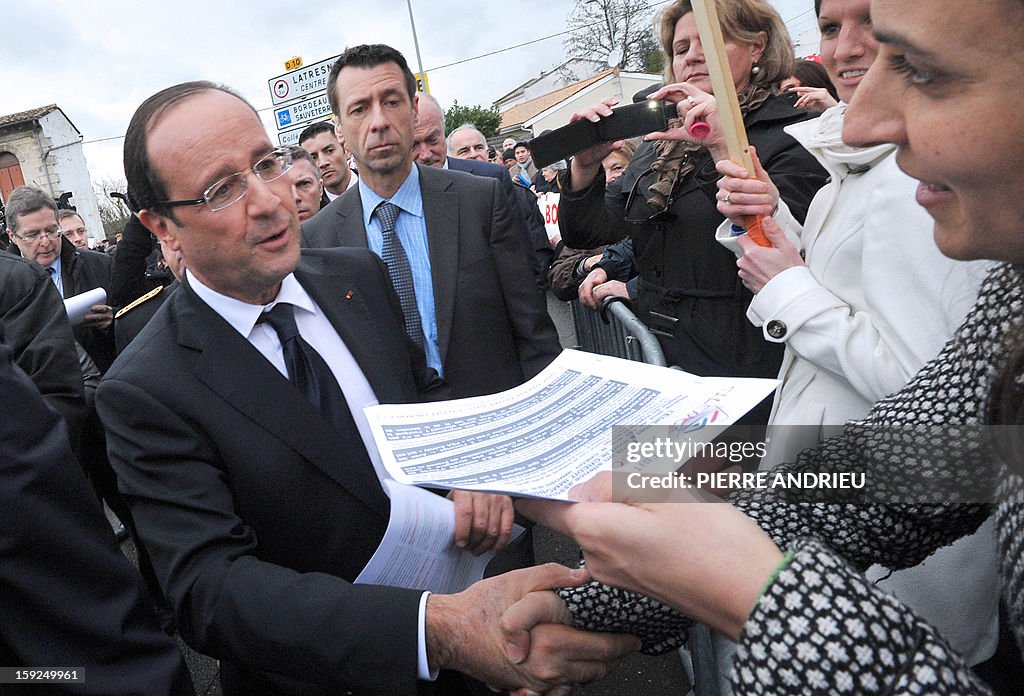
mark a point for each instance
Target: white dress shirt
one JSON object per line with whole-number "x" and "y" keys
{"x": 318, "y": 332}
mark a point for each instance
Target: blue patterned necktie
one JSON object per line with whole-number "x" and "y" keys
{"x": 393, "y": 254}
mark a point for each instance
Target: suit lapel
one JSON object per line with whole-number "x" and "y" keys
{"x": 353, "y": 321}
{"x": 441, "y": 213}
{"x": 351, "y": 230}
{"x": 233, "y": 368}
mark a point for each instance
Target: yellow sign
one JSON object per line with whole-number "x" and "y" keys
{"x": 422, "y": 83}
{"x": 293, "y": 64}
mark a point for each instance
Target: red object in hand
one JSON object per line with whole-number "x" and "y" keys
{"x": 700, "y": 130}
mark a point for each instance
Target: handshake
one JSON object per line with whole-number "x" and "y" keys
{"x": 512, "y": 632}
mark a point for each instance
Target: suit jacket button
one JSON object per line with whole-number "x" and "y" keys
{"x": 776, "y": 329}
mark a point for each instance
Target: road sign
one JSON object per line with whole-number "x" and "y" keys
{"x": 290, "y": 137}
{"x": 422, "y": 83}
{"x": 304, "y": 82}
{"x": 312, "y": 109}
{"x": 293, "y": 64}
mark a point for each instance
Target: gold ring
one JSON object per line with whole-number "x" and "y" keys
{"x": 726, "y": 199}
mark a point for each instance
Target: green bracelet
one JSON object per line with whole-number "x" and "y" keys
{"x": 786, "y": 560}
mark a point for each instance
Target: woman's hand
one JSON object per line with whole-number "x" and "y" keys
{"x": 760, "y": 264}
{"x": 741, "y": 196}
{"x": 813, "y": 98}
{"x": 706, "y": 559}
{"x": 585, "y": 165}
{"x": 692, "y": 104}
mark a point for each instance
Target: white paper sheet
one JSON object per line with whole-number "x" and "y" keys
{"x": 78, "y": 306}
{"x": 417, "y": 550}
{"x": 543, "y": 437}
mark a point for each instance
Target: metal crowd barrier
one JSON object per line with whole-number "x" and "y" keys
{"x": 616, "y": 331}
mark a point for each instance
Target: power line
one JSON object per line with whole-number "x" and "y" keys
{"x": 478, "y": 57}
{"x": 100, "y": 140}
{"x": 798, "y": 16}
{"x": 448, "y": 65}
{"x": 543, "y": 38}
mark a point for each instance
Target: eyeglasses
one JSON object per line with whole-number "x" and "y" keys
{"x": 232, "y": 188}
{"x": 51, "y": 232}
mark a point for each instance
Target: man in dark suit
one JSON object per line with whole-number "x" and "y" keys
{"x": 475, "y": 305}
{"x": 258, "y": 508}
{"x": 68, "y": 597}
{"x": 430, "y": 148}
{"x": 131, "y": 318}
{"x": 32, "y": 221}
{"x": 40, "y": 337}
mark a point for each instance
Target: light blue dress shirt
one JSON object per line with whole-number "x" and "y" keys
{"x": 56, "y": 277}
{"x": 411, "y": 229}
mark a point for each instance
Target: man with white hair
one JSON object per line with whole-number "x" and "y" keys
{"x": 467, "y": 143}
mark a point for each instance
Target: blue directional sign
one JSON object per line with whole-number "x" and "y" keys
{"x": 315, "y": 108}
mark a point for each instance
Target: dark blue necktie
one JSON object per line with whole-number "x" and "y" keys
{"x": 309, "y": 372}
{"x": 53, "y": 276}
{"x": 393, "y": 254}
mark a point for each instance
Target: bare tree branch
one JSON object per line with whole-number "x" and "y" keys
{"x": 114, "y": 214}
{"x": 618, "y": 33}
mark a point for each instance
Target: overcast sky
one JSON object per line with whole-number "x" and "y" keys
{"x": 99, "y": 60}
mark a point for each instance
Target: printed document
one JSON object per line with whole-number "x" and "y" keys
{"x": 545, "y": 436}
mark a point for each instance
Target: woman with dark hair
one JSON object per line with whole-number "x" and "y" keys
{"x": 811, "y": 82}
{"x": 688, "y": 293}
{"x": 780, "y": 570}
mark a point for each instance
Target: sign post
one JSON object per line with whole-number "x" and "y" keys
{"x": 300, "y": 96}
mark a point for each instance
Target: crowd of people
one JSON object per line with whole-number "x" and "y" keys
{"x": 261, "y": 297}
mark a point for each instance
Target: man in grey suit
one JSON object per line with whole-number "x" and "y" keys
{"x": 236, "y": 429}
{"x": 472, "y": 301}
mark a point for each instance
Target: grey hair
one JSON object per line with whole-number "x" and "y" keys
{"x": 26, "y": 200}
{"x": 301, "y": 153}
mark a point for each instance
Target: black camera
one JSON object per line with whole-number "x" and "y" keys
{"x": 627, "y": 121}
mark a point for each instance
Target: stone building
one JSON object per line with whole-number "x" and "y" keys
{"x": 41, "y": 147}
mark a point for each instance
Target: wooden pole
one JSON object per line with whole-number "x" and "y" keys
{"x": 729, "y": 115}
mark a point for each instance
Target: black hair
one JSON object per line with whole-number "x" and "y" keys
{"x": 315, "y": 129}
{"x": 367, "y": 56}
{"x": 813, "y": 74}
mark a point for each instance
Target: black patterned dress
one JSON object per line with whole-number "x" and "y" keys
{"x": 822, "y": 627}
